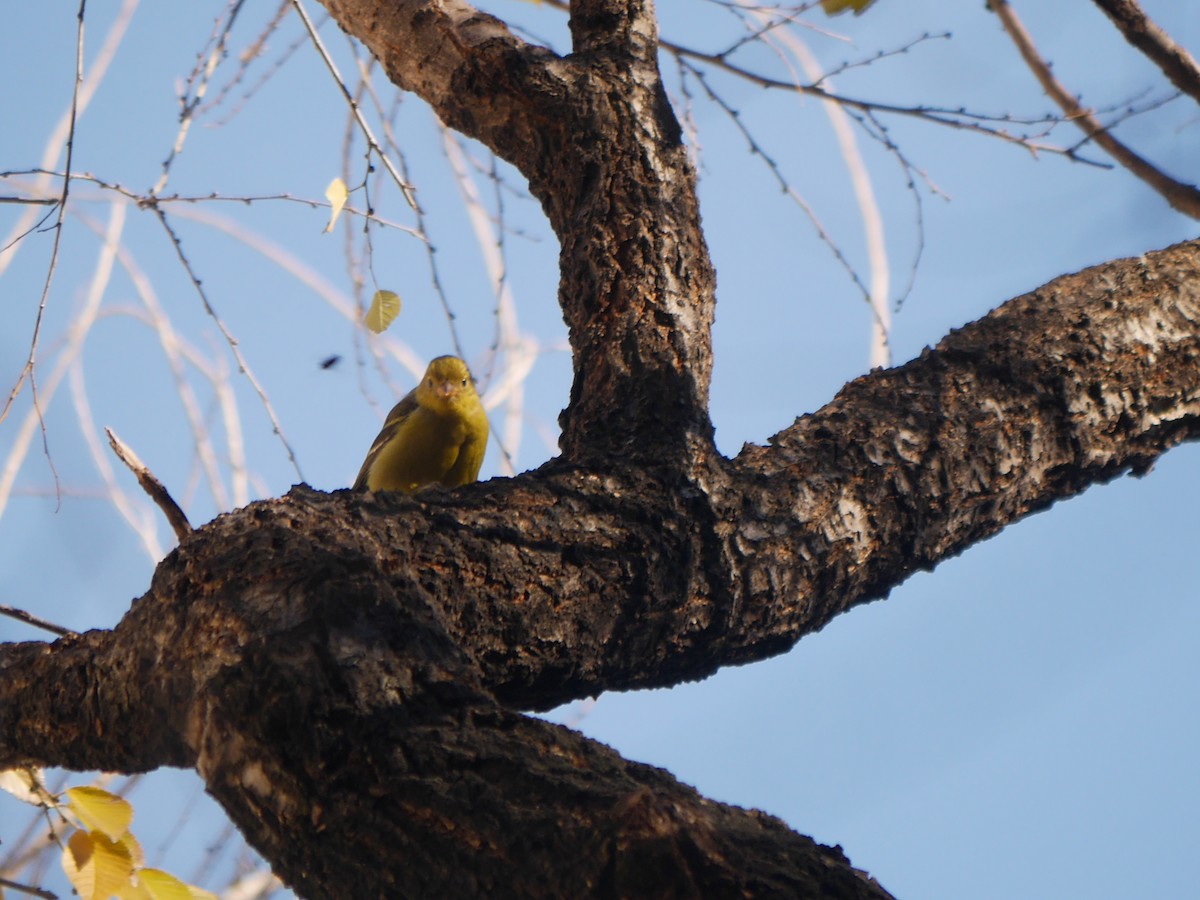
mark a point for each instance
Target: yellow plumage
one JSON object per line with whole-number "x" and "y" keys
{"x": 435, "y": 435}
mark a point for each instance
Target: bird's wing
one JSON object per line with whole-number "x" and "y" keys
{"x": 395, "y": 419}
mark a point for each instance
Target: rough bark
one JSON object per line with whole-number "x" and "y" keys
{"x": 345, "y": 671}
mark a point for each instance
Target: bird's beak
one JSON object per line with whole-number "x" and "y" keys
{"x": 445, "y": 389}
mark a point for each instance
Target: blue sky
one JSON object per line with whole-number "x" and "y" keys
{"x": 1018, "y": 723}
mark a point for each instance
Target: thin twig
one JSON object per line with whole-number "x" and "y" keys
{"x": 30, "y": 619}
{"x": 58, "y": 135}
{"x": 243, "y": 365}
{"x": 28, "y": 889}
{"x": 176, "y": 351}
{"x": 147, "y": 200}
{"x": 152, "y": 486}
{"x": 31, "y": 360}
{"x": 785, "y": 43}
{"x": 405, "y": 188}
{"x": 246, "y": 59}
{"x": 422, "y": 219}
{"x": 756, "y": 149}
{"x": 953, "y": 118}
{"x": 1183, "y": 197}
{"x": 81, "y": 323}
{"x": 195, "y": 90}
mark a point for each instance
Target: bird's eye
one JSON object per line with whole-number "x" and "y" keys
{"x": 431, "y": 382}
{"x": 464, "y": 384}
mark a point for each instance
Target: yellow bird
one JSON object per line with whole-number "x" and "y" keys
{"x": 436, "y": 434}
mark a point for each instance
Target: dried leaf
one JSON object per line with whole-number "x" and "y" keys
{"x": 336, "y": 194}
{"x": 836, "y": 7}
{"x": 385, "y": 306}
{"x": 24, "y": 784}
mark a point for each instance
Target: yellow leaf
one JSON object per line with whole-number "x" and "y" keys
{"x": 201, "y": 893}
{"x": 385, "y": 306}
{"x": 96, "y": 866}
{"x": 133, "y": 891}
{"x": 130, "y": 843}
{"x": 163, "y": 886}
{"x": 836, "y": 7}
{"x": 336, "y": 194}
{"x": 100, "y": 811}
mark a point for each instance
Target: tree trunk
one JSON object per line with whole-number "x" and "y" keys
{"x": 345, "y": 671}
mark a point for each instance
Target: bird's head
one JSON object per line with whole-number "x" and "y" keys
{"x": 446, "y": 383}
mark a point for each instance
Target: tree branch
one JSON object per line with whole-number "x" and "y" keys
{"x": 36, "y": 621}
{"x": 1181, "y": 196}
{"x": 339, "y": 726}
{"x": 468, "y": 66}
{"x": 342, "y": 669}
{"x": 162, "y": 498}
{"x": 1174, "y": 61}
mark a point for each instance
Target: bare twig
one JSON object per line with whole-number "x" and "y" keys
{"x": 196, "y": 88}
{"x": 1176, "y": 63}
{"x": 788, "y": 45}
{"x": 28, "y": 889}
{"x": 243, "y": 365}
{"x": 405, "y": 188}
{"x": 422, "y": 218}
{"x": 30, "y": 619}
{"x": 1183, "y": 197}
{"x": 31, "y": 361}
{"x": 146, "y": 200}
{"x": 81, "y": 325}
{"x": 152, "y": 486}
{"x": 54, "y": 143}
{"x": 176, "y": 351}
{"x": 756, "y": 149}
{"x": 246, "y": 59}
{"x": 960, "y": 118}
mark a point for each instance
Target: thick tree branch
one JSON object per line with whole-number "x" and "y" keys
{"x": 572, "y": 581}
{"x": 602, "y": 580}
{"x": 1174, "y": 61}
{"x": 477, "y": 76}
{"x": 1182, "y": 196}
{"x": 303, "y": 651}
{"x": 334, "y": 719}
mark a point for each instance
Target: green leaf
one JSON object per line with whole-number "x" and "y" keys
{"x": 336, "y": 194}
{"x": 385, "y": 306}
{"x": 100, "y": 811}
